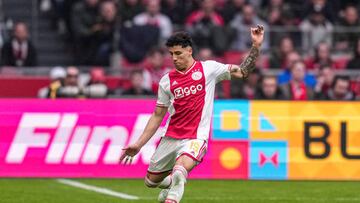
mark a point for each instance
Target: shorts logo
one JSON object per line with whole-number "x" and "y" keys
{"x": 183, "y": 92}
{"x": 196, "y": 75}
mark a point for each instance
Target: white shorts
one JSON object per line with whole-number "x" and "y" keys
{"x": 170, "y": 149}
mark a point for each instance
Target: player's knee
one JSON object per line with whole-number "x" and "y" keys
{"x": 150, "y": 184}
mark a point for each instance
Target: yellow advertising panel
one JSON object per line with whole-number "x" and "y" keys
{"x": 323, "y": 138}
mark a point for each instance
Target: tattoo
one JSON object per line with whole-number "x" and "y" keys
{"x": 249, "y": 63}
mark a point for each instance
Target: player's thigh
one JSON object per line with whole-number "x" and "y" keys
{"x": 163, "y": 159}
{"x": 191, "y": 153}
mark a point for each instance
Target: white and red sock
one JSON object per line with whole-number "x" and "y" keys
{"x": 176, "y": 191}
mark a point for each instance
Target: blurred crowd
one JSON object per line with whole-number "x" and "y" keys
{"x": 98, "y": 28}
{"x": 292, "y": 83}
{"x": 310, "y": 44}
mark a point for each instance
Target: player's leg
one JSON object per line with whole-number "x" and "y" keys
{"x": 189, "y": 155}
{"x": 183, "y": 166}
{"x": 160, "y": 180}
{"x": 161, "y": 165}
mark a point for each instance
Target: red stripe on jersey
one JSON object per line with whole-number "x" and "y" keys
{"x": 189, "y": 99}
{"x": 192, "y": 66}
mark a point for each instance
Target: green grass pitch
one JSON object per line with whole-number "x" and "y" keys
{"x": 196, "y": 191}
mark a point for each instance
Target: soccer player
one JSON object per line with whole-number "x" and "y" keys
{"x": 187, "y": 92}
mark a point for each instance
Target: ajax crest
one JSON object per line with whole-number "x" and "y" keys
{"x": 196, "y": 75}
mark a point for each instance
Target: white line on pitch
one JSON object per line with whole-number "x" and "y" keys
{"x": 97, "y": 189}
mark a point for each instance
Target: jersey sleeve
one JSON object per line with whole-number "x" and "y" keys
{"x": 163, "y": 98}
{"x": 218, "y": 71}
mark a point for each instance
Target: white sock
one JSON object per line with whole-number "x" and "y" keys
{"x": 166, "y": 183}
{"x": 179, "y": 176}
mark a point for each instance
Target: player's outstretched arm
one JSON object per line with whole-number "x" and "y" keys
{"x": 243, "y": 70}
{"x": 150, "y": 129}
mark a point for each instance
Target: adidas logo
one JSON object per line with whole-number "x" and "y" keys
{"x": 174, "y": 83}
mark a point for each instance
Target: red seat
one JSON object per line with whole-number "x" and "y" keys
{"x": 341, "y": 62}
{"x": 125, "y": 64}
{"x": 20, "y": 86}
{"x": 355, "y": 86}
{"x": 113, "y": 82}
{"x": 233, "y": 57}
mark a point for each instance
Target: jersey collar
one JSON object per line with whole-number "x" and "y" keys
{"x": 192, "y": 66}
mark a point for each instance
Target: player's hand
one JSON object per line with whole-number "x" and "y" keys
{"x": 257, "y": 35}
{"x": 128, "y": 153}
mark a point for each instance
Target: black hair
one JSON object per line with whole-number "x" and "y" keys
{"x": 182, "y": 39}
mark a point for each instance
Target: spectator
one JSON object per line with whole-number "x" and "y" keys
{"x": 285, "y": 76}
{"x": 354, "y": 63}
{"x": 278, "y": 55}
{"x": 242, "y": 23}
{"x": 96, "y": 87}
{"x": 340, "y": 90}
{"x": 105, "y": 35}
{"x": 61, "y": 16}
{"x": 57, "y": 76}
{"x": 71, "y": 88}
{"x": 205, "y": 54}
{"x": 269, "y": 89}
{"x": 315, "y": 29}
{"x": 246, "y": 89}
{"x": 281, "y": 18}
{"x": 128, "y": 9}
{"x": 136, "y": 41}
{"x": 274, "y": 5}
{"x": 206, "y": 12}
{"x": 275, "y": 19}
{"x": 231, "y": 8}
{"x": 153, "y": 17}
{"x": 207, "y": 28}
{"x": 296, "y": 8}
{"x": 346, "y": 37}
{"x": 136, "y": 85}
{"x": 330, "y": 8}
{"x": 176, "y": 10}
{"x": 322, "y": 57}
{"x": 19, "y": 51}
{"x": 296, "y": 89}
{"x": 84, "y": 25}
{"x": 155, "y": 69}
{"x": 324, "y": 81}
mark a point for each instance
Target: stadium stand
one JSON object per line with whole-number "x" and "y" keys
{"x": 53, "y": 31}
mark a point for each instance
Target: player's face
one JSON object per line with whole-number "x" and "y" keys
{"x": 181, "y": 56}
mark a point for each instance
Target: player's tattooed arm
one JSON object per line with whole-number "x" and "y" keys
{"x": 242, "y": 71}
{"x": 248, "y": 64}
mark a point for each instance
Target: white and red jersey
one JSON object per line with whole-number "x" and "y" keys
{"x": 189, "y": 97}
